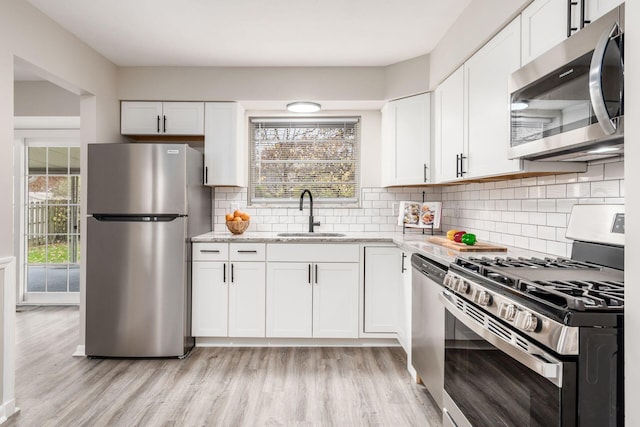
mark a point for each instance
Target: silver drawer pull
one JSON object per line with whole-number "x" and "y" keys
{"x": 209, "y": 251}
{"x": 247, "y": 252}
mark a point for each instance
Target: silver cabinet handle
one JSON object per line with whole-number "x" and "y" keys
{"x": 595, "y": 81}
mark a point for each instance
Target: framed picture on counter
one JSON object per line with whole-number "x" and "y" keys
{"x": 420, "y": 214}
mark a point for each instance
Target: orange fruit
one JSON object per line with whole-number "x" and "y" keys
{"x": 238, "y": 219}
{"x": 245, "y": 216}
{"x": 229, "y": 217}
{"x": 237, "y": 213}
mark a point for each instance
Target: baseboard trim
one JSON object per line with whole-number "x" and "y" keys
{"x": 7, "y": 410}
{"x": 80, "y": 351}
{"x": 295, "y": 342}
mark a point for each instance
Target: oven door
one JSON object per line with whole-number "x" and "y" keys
{"x": 496, "y": 377}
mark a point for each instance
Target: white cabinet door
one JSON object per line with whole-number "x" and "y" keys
{"x": 247, "y": 299}
{"x": 404, "y": 310}
{"x": 225, "y": 145}
{"x": 140, "y": 118}
{"x": 209, "y": 299}
{"x": 594, "y": 9}
{"x": 335, "y": 300}
{"x": 406, "y": 141}
{"x": 183, "y": 118}
{"x": 289, "y": 300}
{"x": 449, "y": 133}
{"x": 382, "y": 283}
{"x": 544, "y": 25}
{"x": 487, "y": 114}
{"x": 162, "y": 118}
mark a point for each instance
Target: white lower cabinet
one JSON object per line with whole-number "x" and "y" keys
{"x": 382, "y": 285}
{"x": 228, "y": 290}
{"x": 289, "y": 300}
{"x": 209, "y": 296}
{"x": 247, "y": 299}
{"x": 312, "y": 291}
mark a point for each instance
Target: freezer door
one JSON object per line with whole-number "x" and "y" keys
{"x": 138, "y": 291}
{"x": 137, "y": 179}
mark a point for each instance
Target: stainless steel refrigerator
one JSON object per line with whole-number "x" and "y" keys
{"x": 145, "y": 202}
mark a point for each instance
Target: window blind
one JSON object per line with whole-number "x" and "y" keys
{"x": 289, "y": 155}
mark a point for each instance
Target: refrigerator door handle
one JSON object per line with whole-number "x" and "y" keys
{"x": 136, "y": 218}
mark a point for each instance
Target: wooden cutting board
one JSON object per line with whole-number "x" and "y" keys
{"x": 478, "y": 247}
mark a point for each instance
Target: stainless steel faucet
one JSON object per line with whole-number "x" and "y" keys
{"x": 311, "y": 223}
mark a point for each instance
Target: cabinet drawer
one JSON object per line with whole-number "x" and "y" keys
{"x": 210, "y": 251}
{"x": 308, "y": 252}
{"x": 247, "y": 252}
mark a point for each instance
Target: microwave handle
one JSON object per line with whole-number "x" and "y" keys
{"x": 595, "y": 81}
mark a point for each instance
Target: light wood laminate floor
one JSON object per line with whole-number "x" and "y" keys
{"x": 212, "y": 387}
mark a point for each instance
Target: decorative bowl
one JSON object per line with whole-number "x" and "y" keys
{"x": 238, "y": 227}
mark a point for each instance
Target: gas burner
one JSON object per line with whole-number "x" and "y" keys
{"x": 556, "y": 283}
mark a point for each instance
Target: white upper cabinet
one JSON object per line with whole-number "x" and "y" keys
{"x": 225, "y": 145}
{"x": 449, "y": 125}
{"x": 162, "y": 118}
{"x": 406, "y": 141}
{"x": 594, "y": 9}
{"x": 487, "y": 115}
{"x": 544, "y": 25}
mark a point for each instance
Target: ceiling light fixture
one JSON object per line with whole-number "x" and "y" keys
{"x": 519, "y": 105}
{"x": 303, "y": 107}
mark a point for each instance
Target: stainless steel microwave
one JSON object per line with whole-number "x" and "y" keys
{"x": 568, "y": 104}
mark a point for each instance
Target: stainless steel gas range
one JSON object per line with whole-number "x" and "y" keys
{"x": 539, "y": 341}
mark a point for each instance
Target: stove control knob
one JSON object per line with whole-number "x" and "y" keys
{"x": 462, "y": 286}
{"x": 449, "y": 280}
{"x": 507, "y": 311}
{"x": 483, "y": 298}
{"x": 526, "y": 321}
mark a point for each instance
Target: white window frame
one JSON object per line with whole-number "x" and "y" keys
{"x": 294, "y": 200}
{"x": 38, "y": 131}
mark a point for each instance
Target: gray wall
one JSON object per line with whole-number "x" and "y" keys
{"x": 43, "y": 98}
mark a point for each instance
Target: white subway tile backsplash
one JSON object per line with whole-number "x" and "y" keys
{"x": 556, "y": 191}
{"x": 605, "y": 189}
{"x": 595, "y": 172}
{"x": 557, "y": 219}
{"x": 530, "y": 213}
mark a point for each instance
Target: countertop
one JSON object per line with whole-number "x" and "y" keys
{"x": 414, "y": 242}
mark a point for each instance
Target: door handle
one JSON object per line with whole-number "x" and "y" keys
{"x": 209, "y": 251}
{"x": 309, "y": 275}
{"x": 316, "y": 274}
{"x": 224, "y": 273}
{"x": 164, "y": 124}
{"x": 570, "y": 5}
{"x": 457, "y": 165}
{"x": 462, "y": 172}
{"x": 595, "y": 81}
{"x": 247, "y": 252}
{"x": 206, "y": 175}
{"x": 404, "y": 256}
{"x": 158, "y": 124}
{"x": 232, "y": 277}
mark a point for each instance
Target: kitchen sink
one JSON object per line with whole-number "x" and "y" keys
{"x": 307, "y": 234}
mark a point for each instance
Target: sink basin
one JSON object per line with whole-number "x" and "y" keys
{"x": 296, "y": 234}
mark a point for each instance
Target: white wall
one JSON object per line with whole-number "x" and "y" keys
{"x": 238, "y": 84}
{"x": 28, "y": 36}
{"x": 407, "y": 78}
{"x": 480, "y": 21}
{"x": 43, "y": 98}
{"x": 632, "y": 208}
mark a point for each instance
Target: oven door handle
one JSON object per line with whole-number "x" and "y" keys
{"x": 534, "y": 359}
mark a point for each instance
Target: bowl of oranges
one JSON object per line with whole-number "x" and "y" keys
{"x": 238, "y": 221}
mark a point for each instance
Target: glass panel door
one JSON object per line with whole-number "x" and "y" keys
{"x": 52, "y": 219}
